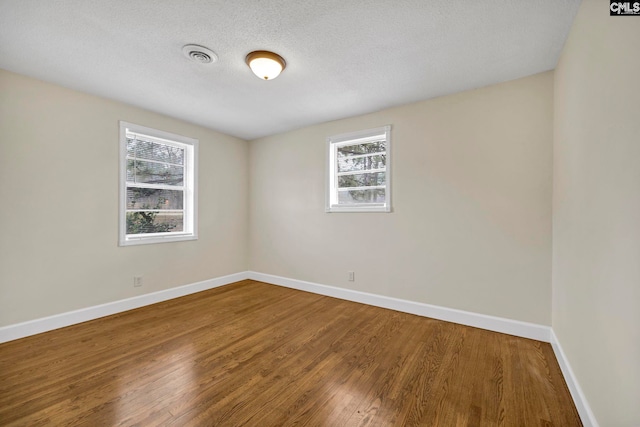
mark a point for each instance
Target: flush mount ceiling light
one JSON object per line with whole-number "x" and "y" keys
{"x": 199, "y": 54}
{"x": 266, "y": 65}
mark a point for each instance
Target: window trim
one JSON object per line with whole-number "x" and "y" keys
{"x": 352, "y": 138}
{"x": 190, "y": 186}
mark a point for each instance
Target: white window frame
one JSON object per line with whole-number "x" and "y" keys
{"x": 190, "y": 203}
{"x": 352, "y": 138}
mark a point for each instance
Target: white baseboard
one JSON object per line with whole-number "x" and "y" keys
{"x": 483, "y": 321}
{"x": 582, "y": 405}
{"x": 32, "y": 327}
{"x": 492, "y": 323}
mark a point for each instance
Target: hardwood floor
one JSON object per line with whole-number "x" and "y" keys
{"x": 253, "y": 354}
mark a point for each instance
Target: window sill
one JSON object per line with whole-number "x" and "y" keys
{"x": 153, "y": 240}
{"x": 352, "y": 209}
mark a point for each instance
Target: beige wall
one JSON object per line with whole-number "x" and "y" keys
{"x": 59, "y": 191}
{"x": 596, "y": 211}
{"x": 471, "y": 221}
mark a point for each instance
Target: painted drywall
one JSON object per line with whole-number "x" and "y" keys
{"x": 59, "y": 188}
{"x": 596, "y": 211}
{"x": 471, "y": 221}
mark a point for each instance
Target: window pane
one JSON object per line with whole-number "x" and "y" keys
{"x": 142, "y": 149}
{"x": 361, "y": 180}
{"x": 139, "y": 171}
{"x": 348, "y": 164}
{"x": 361, "y": 196}
{"x": 151, "y": 198}
{"x": 154, "y": 222}
{"x": 366, "y": 148}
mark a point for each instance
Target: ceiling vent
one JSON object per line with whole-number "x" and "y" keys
{"x": 199, "y": 54}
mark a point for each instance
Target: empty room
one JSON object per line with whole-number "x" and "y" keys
{"x": 337, "y": 213}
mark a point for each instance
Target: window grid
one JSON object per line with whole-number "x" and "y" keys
{"x": 159, "y": 204}
{"x": 355, "y": 184}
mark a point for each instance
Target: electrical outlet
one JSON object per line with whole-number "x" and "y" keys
{"x": 352, "y": 276}
{"x": 137, "y": 281}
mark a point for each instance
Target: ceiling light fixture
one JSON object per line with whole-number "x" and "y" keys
{"x": 266, "y": 65}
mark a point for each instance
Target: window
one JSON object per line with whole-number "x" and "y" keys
{"x": 359, "y": 171}
{"x": 157, "y": 186}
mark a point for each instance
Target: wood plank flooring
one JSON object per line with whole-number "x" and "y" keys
{"x": 253, "y": 354}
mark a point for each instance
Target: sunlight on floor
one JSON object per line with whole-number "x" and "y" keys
{"x": 161, "y": 391}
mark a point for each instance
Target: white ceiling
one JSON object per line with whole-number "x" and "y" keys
{"x": 344, "y": 57}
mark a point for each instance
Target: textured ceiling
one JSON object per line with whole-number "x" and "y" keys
{"x": 344, "y": 57}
